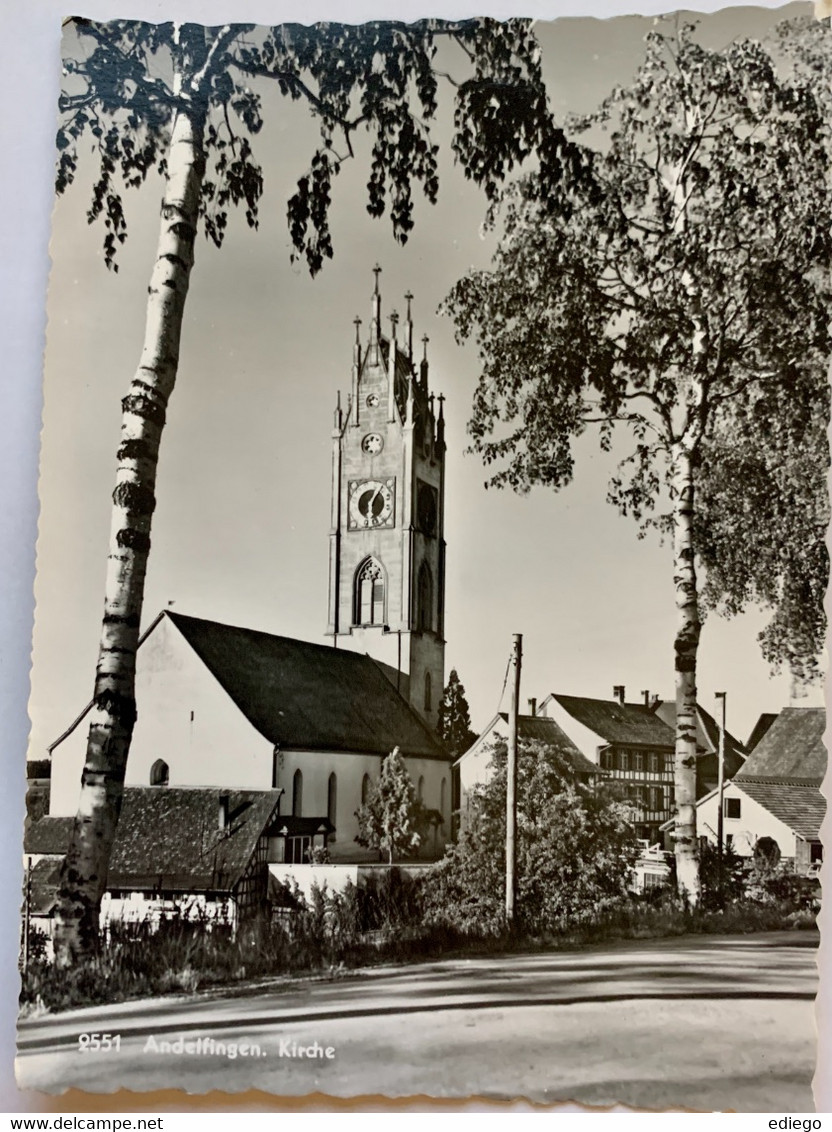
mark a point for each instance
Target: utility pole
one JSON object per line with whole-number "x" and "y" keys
{"x": 511, "y": 776}
{"x": 720, "y": 788}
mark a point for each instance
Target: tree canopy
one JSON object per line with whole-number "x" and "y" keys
{"x": 678, "y": 297}
{"x": 575, "y": 848}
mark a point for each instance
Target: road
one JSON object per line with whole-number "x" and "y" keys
{"x": 700, "y": 1022}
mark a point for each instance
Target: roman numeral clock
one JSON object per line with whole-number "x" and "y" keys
{"x": 386, "y": 547}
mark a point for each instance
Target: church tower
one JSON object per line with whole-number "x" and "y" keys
{"x": 386, "y": 545}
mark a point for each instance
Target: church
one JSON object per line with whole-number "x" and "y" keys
{"x": 225, "y": 709}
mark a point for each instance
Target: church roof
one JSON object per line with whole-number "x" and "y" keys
{"x": 615, "y": 722}
{"x": 791, "y": 750}
{"x": 304, "y": 696}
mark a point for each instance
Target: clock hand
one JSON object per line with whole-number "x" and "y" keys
{"x": 370, "y": 514}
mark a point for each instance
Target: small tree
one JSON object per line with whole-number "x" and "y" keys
{"x": 454, "y": 718}
{"x": 390, "y": 818}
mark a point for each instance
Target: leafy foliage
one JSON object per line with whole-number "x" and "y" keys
{"x": 679, "y": 295}
{"x": 376, "y": 78}
{"x": 391, "y": 818}
{"x": 454, "y": 718}
{"x": 575, "y": 849}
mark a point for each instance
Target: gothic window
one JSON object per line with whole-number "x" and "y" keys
{"x": 365, "y": 789}
{"x": 331, "y": 798}
{"x": 369, "y": 593}
{"x": 159, "y": 773}
{"x": 297, "y": 794}
{"x": 424, "y": 614}
{"x": 427, "y": 692}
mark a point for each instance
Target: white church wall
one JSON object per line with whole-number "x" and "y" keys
{"x": 185, "y": 718}
{"x": 349, "y": 770}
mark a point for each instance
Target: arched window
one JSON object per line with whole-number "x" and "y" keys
{"x": 420, "y": 791}
{"x": 442, "y": 790}
{"x": 159, "y": 773}
{"x": 424, "y": 613}
{"x": 331, "y": 798}
{"x": 297, "y": 794}
{"x": 428, "y": 697}
{"x": 365, "y": 789}
{"x": 369, "y": 593}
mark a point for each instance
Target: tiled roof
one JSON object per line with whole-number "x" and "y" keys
{"x": 801, "y": 808}
{"x": 618, "y": 723}
{"x": 791, "y": 750}
{"x": 306, "y": 696}
{"x": 43, "y": 886}
{"x": 537, "y": 728}
{"x": 170, "y": 838}
{"x": 48, "y": 836}
{"x": 759, "y": 729}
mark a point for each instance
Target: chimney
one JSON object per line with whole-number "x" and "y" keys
{"x": 646, "y": 694}
{"x": 532, "y": 706}
{"x": 618, "y": 693}
{"x": 654, "y": 700}
{"x": 222, "y": 816}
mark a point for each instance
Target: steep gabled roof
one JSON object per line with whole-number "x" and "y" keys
{"x": 801, "y": 808}
{"x": 618, "y": 723}
{"x": 707, "y": 730}
{"x": 303, "y": 696}
{"x": 791, "y": 750}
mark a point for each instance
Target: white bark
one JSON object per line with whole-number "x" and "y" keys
{"x": 84, "y": 875}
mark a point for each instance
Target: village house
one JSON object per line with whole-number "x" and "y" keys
{"x": 472, "y": 768}
{"x": 775, "y": 797}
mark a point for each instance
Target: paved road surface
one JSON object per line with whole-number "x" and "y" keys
{"x": 707, "y": 1023}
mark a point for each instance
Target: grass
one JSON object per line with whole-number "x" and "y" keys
{"x": 328, "y": 938}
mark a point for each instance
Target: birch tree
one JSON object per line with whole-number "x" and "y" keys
{"x": 677, "y": 302}
{"x": 183, "y": 101}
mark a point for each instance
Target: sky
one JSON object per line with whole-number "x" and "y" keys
{"x": 240, "y": 531}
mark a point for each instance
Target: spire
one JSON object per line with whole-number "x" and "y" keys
{"x": 375, "y": 323}
{"x": 424, "y": 366}
{"x": 440, "y": 427}
{"x": 356, "y": 369}
{"x": 409, "y": 327}
{"x": 391, "y": 368}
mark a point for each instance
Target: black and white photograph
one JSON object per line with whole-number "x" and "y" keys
{"x": 427, "y": 681}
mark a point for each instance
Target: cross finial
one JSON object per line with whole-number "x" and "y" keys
{"x": 377, "y": 272}
{"x": 357, "y": 322}
{"x": 425, "y": 341}
{"x": 394, "y": 317}
{"x": 409, "y": 300}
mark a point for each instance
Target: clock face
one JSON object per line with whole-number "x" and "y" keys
{"x": 427, "y": 508}
{"x": 372, "y": 400}
{"x": 371, "y": 503}
{"x": 372, "y": 443}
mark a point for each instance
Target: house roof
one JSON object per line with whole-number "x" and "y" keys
{"x": 169, "y": 837}
{"x": 306, "y": 696}
{"x": 707, "y": 730}
{"x": 791, "y": 750}
{"x": 537, "y": 728}
{"x": 43, "y": 886}
{"x": 618, "y": 723}
{"x": 801, "y": 808}
{"x": 759, "y": 729}
{"x": 48, "y": 836}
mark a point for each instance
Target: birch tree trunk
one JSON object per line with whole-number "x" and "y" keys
{"x": 84, "y": 872}
{"x": 686, "y": 644}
